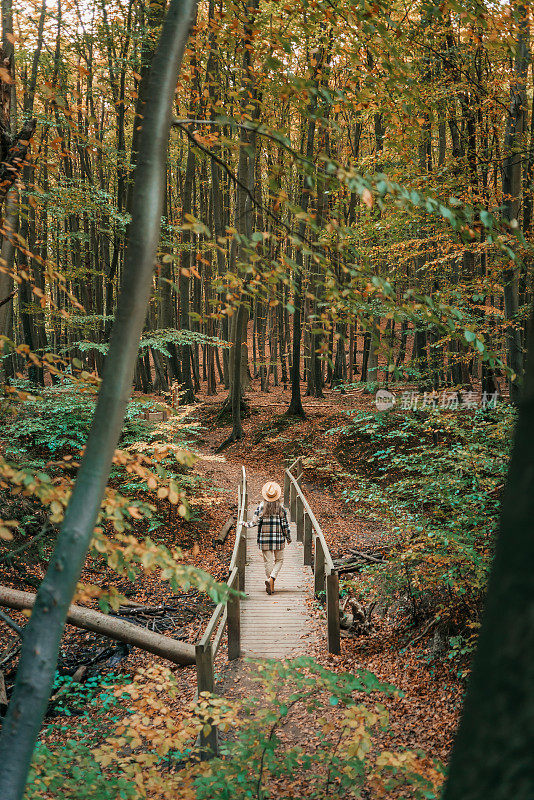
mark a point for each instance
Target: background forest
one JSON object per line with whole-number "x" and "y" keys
{"x": 343, "y": 275}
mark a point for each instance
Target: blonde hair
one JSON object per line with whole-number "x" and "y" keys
{"x": 272, "y": 509}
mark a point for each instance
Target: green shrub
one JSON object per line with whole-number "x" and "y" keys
{"x": 435, "y": 478}
{"x": 56, "y": 423}
{"x": 73, "y": 772}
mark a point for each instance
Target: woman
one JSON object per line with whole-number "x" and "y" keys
{"x": 273, "y": 531}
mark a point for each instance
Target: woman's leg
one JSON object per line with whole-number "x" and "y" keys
{"x": 268, "y": 561}
{"x": 278, "y": 561}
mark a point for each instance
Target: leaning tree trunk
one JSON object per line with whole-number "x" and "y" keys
{"x": 43, "y": 633}
{"x": 114, "y": 628}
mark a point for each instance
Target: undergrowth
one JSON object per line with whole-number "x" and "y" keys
{"x": 309, "y": 732}
{"x": 436, "y": 478}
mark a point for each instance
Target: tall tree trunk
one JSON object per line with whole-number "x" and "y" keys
{"x": 30, "y": 330}
{"x": 243, "y": 222}
{"x": 295, "y": 406}
{"x": 11, "y": 218}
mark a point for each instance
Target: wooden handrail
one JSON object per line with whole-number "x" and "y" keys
{"x": 241, "y": 514}
{"x": 293, "y": 463}
{"x": 329, "y": 564}
{"x": 326, "y": 578}
{"x": 225, "y": 615}
{"x": 219, "y": 612}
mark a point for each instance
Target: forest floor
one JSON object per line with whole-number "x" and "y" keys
{"x": 423, "y": 715}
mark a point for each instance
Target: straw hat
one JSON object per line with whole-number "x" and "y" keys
{"x": 271, "y": 491}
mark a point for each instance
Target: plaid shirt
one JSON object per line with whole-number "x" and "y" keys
{"x": 272, "y": 531}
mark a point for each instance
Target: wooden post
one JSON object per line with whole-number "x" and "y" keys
{"x": 332, "y": 612}
{"x": 298, "y": 471}
{"x": 300, "y": 519}
{"x": 241, "y": 559}
{"x": 293, "y": 502}
{"x": 245, "y": 508}
{"x": 234, "y": 625}
{"x": 308, "y": 541}
{"x": 208, "y": 742}
{"x": 318, "y": 567}
{"x": 287, "y": 484}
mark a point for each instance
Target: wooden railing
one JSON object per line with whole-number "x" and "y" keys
{"x": 316, "y": 552}
{"x": 225, "y": 616}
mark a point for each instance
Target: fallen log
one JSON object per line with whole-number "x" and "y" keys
{"x": 222, "y": 536}
{"x": 353, "y": 566}
{"x": 355, "y": 562}
{"x": 368, "y": 557}
{"x": 171, "y": 649}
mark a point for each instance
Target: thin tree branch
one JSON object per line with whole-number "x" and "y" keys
{"x": 242, "y": 186}
{"x": 11, "y": 623}
{"x": 8, "y": 298}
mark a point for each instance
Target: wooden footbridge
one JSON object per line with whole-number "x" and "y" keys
{"x": 272, "y": 626}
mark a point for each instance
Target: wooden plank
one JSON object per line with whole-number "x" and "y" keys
{"x": 220, "y": 631}
{"x": 292, "y": 502}
{"x": 318, "y": 568}
{"x": 234, "y": 626}
{"x": 287, "y": 484}
{"x": 241, "y": 562}
{"x": 209, "y": 745}
{"x": 300, "y": 520}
